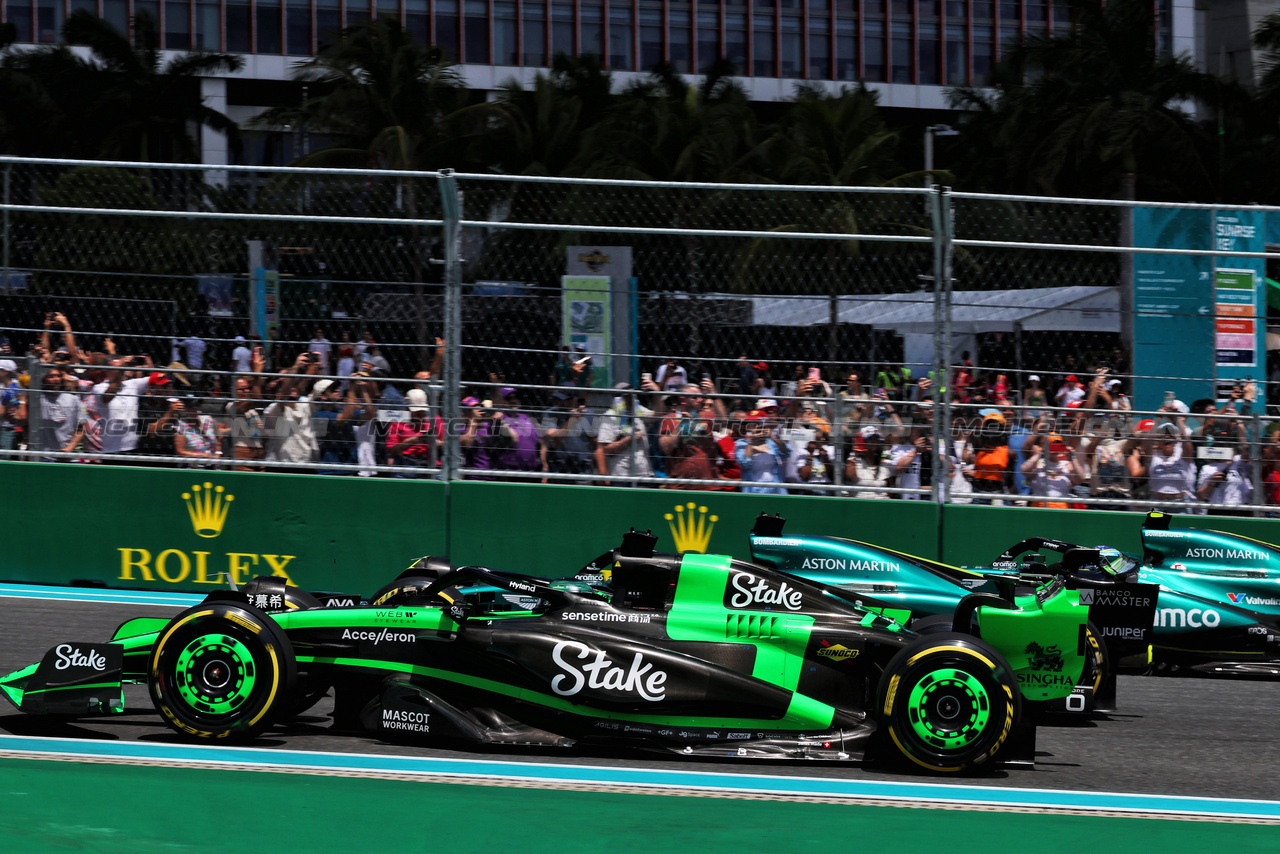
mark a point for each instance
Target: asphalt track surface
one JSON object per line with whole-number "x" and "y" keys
{"x": 1170, "y": 736}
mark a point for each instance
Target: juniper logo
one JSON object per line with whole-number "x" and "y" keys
{"x": 691, "y": 531}
{"x": 208, "y": 508}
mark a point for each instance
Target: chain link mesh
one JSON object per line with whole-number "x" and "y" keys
{"x": 832, "y": 283}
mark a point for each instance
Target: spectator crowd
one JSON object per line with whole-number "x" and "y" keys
{"x": 1064, "y": 438}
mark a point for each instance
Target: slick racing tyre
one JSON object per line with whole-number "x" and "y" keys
{"x": 221, "y": 670}
{"x": 948, "y": 703}
{"x": 1096, "y": 666}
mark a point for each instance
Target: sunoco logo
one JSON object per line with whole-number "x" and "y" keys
{"x": 839, "y": 652}
{"x": 380, "y": 636}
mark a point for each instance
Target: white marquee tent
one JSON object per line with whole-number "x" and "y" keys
{"x": 1079, "y": 308}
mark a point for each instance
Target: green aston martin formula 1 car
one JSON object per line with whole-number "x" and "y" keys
{"x": 694, "y": 654}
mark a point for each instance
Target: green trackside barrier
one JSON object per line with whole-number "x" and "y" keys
{"x": 166, "y": 529}
{"x": 163, "y": 529}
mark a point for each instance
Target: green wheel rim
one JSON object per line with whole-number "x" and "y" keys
{"x": 214, "y": 674}
{"x": 949, "y": 709}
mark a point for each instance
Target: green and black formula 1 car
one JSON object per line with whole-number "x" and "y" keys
{"x": 694, "y": 654}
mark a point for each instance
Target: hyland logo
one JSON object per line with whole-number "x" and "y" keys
{"x": 839, "y": 652}
{"x": 207, "y": 507}
{"x": 691, "y": 531}
{"x": 1245, "y": 599}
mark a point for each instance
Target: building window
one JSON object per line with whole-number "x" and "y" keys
{"x": 621, "y": 35}
{"x": 873, "y": 63}
{"x": 957, "y": 56}
{"x": 562, "y": 29}
{"x": 239, "y": 26}
{"x": 268, "y": 27}
{"x": 297, "y": 28}
{"x": 819, "y": 50}
{"x": 901, "y": 52}
{"x": 417, "y": 20}
{"x": 679, "y": 38}
{"x": 504, "y": 34}
{"x": 762, "y": 54}
{"x": 447, "y": 27}
{"x": 209, "y": 27}
{"x": 927, "y": 50}
{"x": 591, "y": 28}
{"x": 846, "y": 49}
{"x": 735, "y": 41}
{"x": 650, "y": 36}
{"x": 792, "y": 53}
{"x": 533, "y": 34}
{"x": 477, "y": 30}
{"x": 708, "y": 39}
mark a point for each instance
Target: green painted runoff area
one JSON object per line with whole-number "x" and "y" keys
{"x": 154, "y": 529}
{"x": 68, "y": 806}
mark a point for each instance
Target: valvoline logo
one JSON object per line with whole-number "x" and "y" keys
{"x": 1236, "y": 598}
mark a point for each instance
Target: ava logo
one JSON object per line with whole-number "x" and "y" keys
{"x": 601, "y": 674}
{"x": 1044, "y": 659}
{"x": 839, "y": 652}
{"x": 208, "y": 509}
{"x": 692, "y": 531}
{"x": 595, "y": 260}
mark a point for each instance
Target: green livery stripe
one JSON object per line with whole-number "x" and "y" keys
{"x": 803, "y": 714}
{"x": 75, "y": 687}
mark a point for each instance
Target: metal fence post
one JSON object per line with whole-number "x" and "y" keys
{"x": 8, "y": 173}
{"x": 1255, "y": 456}
{"x": 451, "y": 205}
{"x": 940, "y": 214}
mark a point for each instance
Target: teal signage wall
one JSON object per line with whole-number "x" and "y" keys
{"x": 187, "y": 530}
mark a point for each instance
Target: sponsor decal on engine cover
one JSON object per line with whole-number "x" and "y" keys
{"x": 1246, "y": 599}
{"x": 837, "y": 652}
{"x": 845, "y": 565}
{"x": 605, "y": 617}
{"x": 1227, "y": 554}
{"x": 744, "y": 590}
{"x": 601, "y": 674}
{"x": 377, "y": 636}
{"x": 1196, "y": 618}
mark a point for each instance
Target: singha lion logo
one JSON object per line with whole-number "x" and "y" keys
{"x": 1044, "y": 659}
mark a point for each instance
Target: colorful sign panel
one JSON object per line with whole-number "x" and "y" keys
{"x": 586, "y": 323}
{"x": 1197, "y": 316}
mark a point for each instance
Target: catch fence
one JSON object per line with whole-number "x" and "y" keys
{"x": 488, "y": 279}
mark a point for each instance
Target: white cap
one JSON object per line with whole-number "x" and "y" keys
{"x": 321, "y": 386}
{"x": 766, "y": 403}
{"x": 417, "y": 400}
{"x": 8, "y": 365}
{"x": 1033, "y": 378}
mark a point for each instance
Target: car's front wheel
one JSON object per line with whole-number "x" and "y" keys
{"x": 221, "y": 670}
{"x": 948, "y": 703}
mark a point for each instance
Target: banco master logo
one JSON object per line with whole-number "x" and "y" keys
{"x": 691, "y": 531}
{"x": 208, "y": 509}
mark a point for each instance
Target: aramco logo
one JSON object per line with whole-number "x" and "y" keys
{"x": 692, "y": 531}
{"x": 208, "y": 508}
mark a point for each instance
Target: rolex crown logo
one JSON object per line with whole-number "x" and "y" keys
{"x": 208, "y": 508}
{"x": 692, "y": 531}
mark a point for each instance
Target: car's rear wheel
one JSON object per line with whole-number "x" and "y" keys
{"x": 948, "y": 702}
{"x": 221, "y": 670}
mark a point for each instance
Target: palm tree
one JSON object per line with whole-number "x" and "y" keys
{"x": 142, "y": 106}
{"x": 1095, "y": 111}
